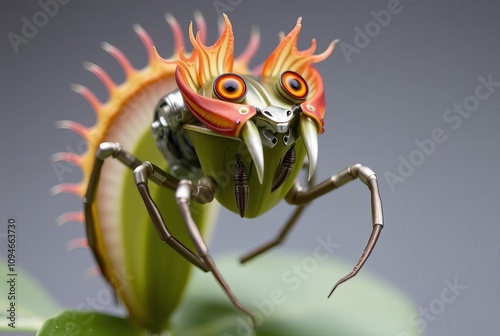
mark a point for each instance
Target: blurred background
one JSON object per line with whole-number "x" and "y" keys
{"x": 413, "y": 91}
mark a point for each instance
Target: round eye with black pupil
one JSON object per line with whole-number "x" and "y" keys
{"x": 292, "y": 86}
{"x": 230, "y": 87}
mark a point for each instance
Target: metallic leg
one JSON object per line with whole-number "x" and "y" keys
{"x": 105, "y": 150}
{"x": 183, "y": 195}
{"x": 367, "y": 176}
{"x": 142, "y": 174}
{"x": 285, "y": 230}
{"x": 185, "y": 190}
{"x": 114, "y": 150}
{"x": 278, "y": 239}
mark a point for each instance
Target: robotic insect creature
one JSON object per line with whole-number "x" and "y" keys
{"x": 227, "y": 133}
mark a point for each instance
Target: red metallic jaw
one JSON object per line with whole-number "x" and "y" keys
{"x": 316, "y": 105}
{"x": 220, "y": 116}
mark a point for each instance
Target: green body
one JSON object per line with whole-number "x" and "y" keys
{"x": 217, "y": 156}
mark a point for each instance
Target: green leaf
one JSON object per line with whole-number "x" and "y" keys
{"x": 88, "y": 323}
{"x": 32, "y": 303}
{"x": 288, "y": 296}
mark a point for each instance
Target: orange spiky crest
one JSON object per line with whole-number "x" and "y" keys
{"x": 286, "y": 56}
{"x": 205, "y": 62}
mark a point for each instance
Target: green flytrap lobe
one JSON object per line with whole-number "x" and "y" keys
{"x": 221, "y": 134}
{"x": 157, "y": 275}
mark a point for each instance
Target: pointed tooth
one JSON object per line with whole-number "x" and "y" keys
{"x": 309, "y": 133}
{"x": 251, "y": 138}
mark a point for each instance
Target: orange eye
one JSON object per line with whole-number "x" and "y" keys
{"x": 293, "y": 86}
{"x": 230, "y": 87}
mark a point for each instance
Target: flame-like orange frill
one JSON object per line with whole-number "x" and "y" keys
{"x": 286, "y": 57}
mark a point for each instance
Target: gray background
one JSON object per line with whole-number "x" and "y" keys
{"x": 441, "y": 222}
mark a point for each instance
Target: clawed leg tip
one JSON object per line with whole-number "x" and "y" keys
{"x": 253, "y": 322}
{"x": 333, "y": 289}
{"x": 244, "y": 259}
